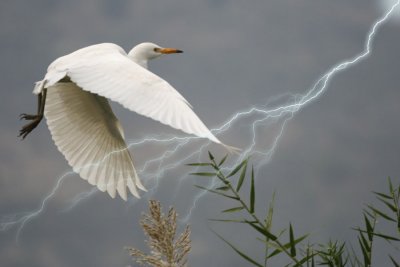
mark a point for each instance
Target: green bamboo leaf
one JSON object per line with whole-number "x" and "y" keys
{"x": 223, "y": 188}
{"x": 379, "y": 235}
{"x": 235, "y": 209}
{"x": 199, "y": 164}
{"x": 380, "y": 213}
{"x": 208, "y": 174}
{"x": 394, "y": 262}
{"x": 398, "y": 222}
{"x": 210, "y": 156}
{"x": 252, "y": 192}
{"x": 292, "y": 243}
{"x": 286, "y": 246}
{"x": 390, "y": 186}
{"x": 365, "y": 248}
{"x": 398, "y": 193}
{"x": 262, "y": 230}
{"x": 312, "y": 260}
{"x": 221, "y": 176}
{"x": 238, "y": 167}
{"x": 369, "y": 227}
{"x": 364, "y": 252}
{"x": 308, "y": 254}
{"x": 364, "y": 241}
{"x": 387, "y": 237}
{"x": 303, "y": 260}
{"x": 368, "y": 212}
{"x": 216, "y": 192}
{"x": 243, "y": 255}
{"x": 388, "y": 204}
{"x": 223, "y": 160}
{"x": 241, "y": 178}
{"x": 270, "y": 213}
{"x": 382, "y": 195}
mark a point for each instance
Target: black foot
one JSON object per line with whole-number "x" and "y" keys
{"x": 35, "y": 120}
{"x": 25, "y": 116}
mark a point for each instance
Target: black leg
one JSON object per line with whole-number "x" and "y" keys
{"x": 35, "y": 119}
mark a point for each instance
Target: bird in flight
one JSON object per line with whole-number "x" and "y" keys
{"x": 73, "y": 98}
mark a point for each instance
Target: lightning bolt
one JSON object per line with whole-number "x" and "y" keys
{"x": 10, "y": 221}
{"x": 261, "y": 117}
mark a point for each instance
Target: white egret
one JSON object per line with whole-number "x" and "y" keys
{"x": 73, "y": 98}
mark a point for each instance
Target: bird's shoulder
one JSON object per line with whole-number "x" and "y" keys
{"x": 87, "y": 53}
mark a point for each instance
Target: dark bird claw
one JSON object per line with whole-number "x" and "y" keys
{"x": 26, "y": 129}
{"x": 35, "y": 119}
{"x": 25, "y": 116}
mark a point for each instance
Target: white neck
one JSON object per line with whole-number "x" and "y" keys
{"x": 138, "y": 58}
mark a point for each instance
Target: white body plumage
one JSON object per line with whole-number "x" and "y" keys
{"x": 81, "y": 121}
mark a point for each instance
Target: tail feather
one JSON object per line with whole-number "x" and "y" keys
{"x": 232, "y": 149}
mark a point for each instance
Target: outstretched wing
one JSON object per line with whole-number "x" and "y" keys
{"x": 87, "y": 133}
{"x": 106, "y": 70}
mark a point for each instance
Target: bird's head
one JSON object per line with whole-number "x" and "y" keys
{"x": 143, "y": 52}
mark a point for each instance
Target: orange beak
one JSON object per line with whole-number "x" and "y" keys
{"x": 170, "y": 51}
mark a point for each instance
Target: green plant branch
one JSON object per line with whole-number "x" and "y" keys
{"x": 334, "y": 254}
{"x": 257, "y": 224}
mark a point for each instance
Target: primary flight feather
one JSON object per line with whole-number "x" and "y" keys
{"x": 73, "y": 98}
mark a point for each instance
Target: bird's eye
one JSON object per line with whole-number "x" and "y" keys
{"x": 156, "y": 49}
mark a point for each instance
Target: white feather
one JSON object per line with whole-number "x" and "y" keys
{"x": 81, "y": 121}
{"x": 88, "y": 134}
{"x": 106, "y": 70}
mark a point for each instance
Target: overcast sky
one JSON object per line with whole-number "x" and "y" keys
{"x": 238, "y": 54}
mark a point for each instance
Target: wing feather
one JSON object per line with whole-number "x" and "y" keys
{"x": 106, "y": 70}
{"x": 88, "y": 134}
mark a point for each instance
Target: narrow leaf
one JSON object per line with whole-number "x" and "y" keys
{"x": 364, "y": 252}
{"x": 208, "y": 174}
{"x": 312, "y": 260}
{"x": 398, "y": 192}
{"x": 223, "y": 188}
{"x": 262, "y": 230}
{"x": 238, "y": 167}
{"x": 233, "y": 209}
{"x": 292, "y": 243}
{"x": 223, "y": 160}
{"x": 199, "y": 164}
{"x": 380, "y": 213}
{"x": 391, "y": 190}
{"x": 394, "y": 262}
{"x": 368, "y": 212}
{"x": 210, "y": 155}
{"x": 387, "y": 237}
{"x": 241, "y": 178}
{"x": 365, "y": 242}
{"x": 388, "y": 204}
{"x": 287, "y": 245}
{"x": 369, "y": 227}
{"x": 379, "y": 235}
{"x": 243, "y": 255}
{"x": 252, "y": 192}
{"x": 270, "y": 213}
{"x": 382, "y": 195}
{"x": 303, "y": 260}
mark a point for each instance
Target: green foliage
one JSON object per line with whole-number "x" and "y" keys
{"x": 300, "y": 253}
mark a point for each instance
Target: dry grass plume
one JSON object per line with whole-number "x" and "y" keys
{"x": 165, "y": 249}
